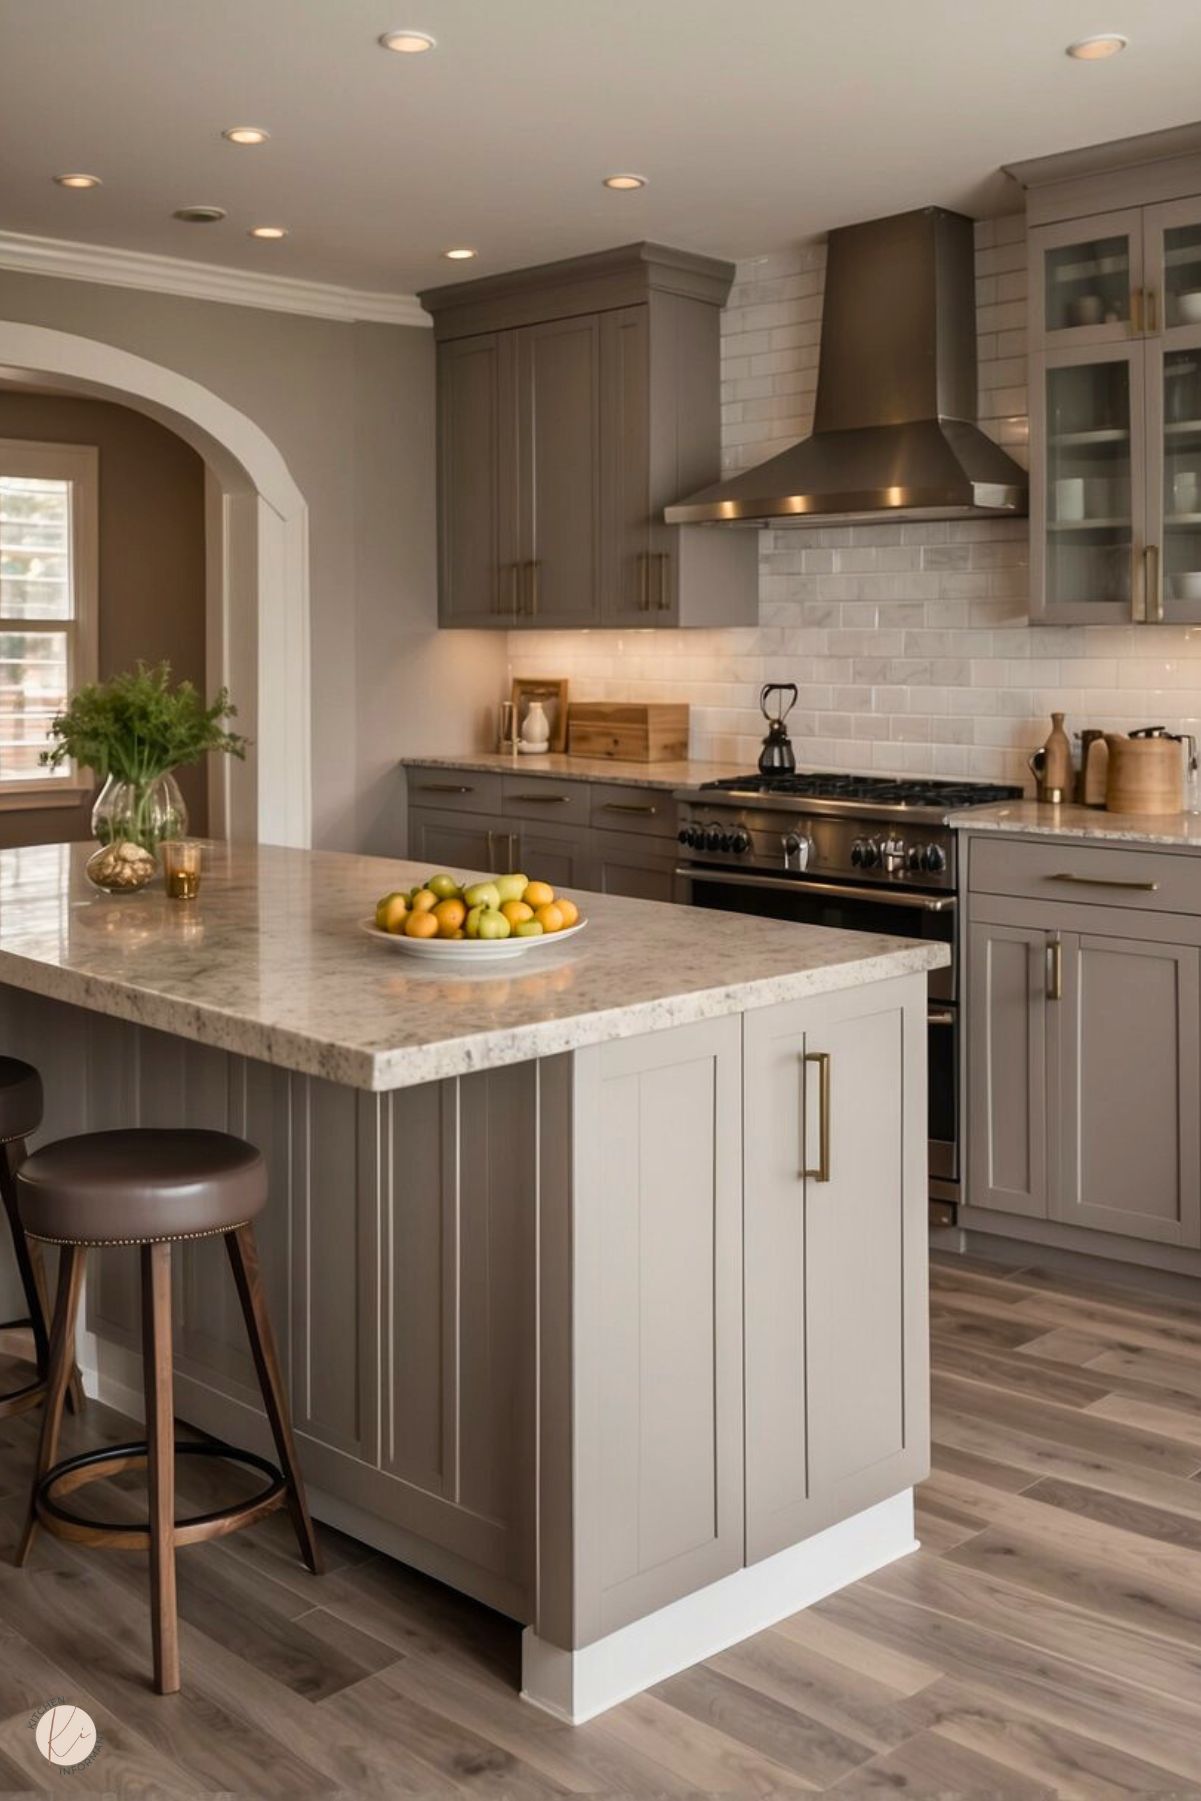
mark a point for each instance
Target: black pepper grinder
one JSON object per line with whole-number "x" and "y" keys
{"x": 777, "y": 757}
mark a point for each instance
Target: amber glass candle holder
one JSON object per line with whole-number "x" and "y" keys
{"x": 181, "y": 867}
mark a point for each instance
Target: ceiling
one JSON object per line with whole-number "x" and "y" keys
{"x": 757, "y": 123}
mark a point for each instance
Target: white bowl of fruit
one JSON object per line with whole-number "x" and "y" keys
{"x": 467, "y": 922}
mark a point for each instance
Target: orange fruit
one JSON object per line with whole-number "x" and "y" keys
{"x": 516, "y": 912}
{"x": 450, "y": 915}
{"x": 538, "y": 894}
{"x": 421, "y": 925}
{"x": 550, "y": 917}
{"x": 569, "y": 910}
{"x": 423, "y": 901}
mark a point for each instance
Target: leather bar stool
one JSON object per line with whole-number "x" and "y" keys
{"x": 20, "y": 1117}
{"x": 154, "y": 1188}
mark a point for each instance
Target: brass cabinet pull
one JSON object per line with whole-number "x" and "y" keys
{"x": 644, "y": 581}
{"x": 532, "y": 585}
{"x": 941, "y": 1016}
{"x": 627, "y": 806}
{"x": 1152, "y": 586}
{"x": 500, "y": 605}
{"x": 1054, "y": 969}
{"x": 1101, "y": 881}
{"x": 542, "y": 800}
{"x": 821, "y": 1173}
{"x": 1152, "y": 310}
{"x": 1138, "y": 587}
{"x": 664, "y": 599}
{"x": 443, "y": 788}
{"x": 510, "y": 854}
{"x": 1136, "y": 312}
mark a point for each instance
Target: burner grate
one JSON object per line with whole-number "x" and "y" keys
{"x": 872, "y": 790}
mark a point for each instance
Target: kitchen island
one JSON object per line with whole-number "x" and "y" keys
{"x": 600, "y": 1277}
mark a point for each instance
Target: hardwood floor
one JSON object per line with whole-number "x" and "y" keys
{"x": 1046, "y": 1640}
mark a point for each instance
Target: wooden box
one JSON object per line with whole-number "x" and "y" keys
{"x": 628, "y": 731}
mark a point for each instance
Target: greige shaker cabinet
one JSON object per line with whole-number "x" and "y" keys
{"x": 836, "y": 1357}
{"x": 1084, "y": 1038}
{"x": 576, "y": 401}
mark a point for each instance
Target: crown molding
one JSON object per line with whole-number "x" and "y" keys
{"x": 204, "y": 281}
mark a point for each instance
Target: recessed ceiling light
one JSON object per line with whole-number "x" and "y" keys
{"x": 199, "y": 215}
{"x": 623, "y": 183}
{"x": 268, "y": 231}
{"x": 1095, "y": 49}
{"x": 246, "y": 134}
{"x": 459, "y": 256}
{"x": 78, "y": 181}
{"x": 408, "y": 43}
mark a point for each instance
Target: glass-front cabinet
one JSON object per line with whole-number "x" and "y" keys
{"x": 1115, "y": 421}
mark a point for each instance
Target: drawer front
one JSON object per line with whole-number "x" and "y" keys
{"x": 541, "y": 799}
{"x": 616, "y": 807}
{"x": 463, "y": 790}
{"x": 1086, "y": 874}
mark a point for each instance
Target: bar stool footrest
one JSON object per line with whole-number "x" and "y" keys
{"x": 20, "y": 1400}
{"x": 95, "y": 1466}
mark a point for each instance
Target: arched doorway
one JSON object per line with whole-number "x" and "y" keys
{"x": 257, "y": 540}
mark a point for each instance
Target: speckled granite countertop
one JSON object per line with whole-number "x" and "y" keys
{"x": 684, "y": 774}
{"x": 1035, "y": 819}
{"x": 270, "y": 963}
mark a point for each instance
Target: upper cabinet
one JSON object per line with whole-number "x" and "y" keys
{"x": 575, "y": 402}
{"x": 1115, "y": 386}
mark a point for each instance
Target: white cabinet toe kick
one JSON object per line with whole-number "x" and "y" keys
{"x": 628, "y": 1342}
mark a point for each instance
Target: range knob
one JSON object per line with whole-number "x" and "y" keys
{"x": 684, "y": 835}
{"x": 935, "y": 858}
{"x": 725, "y": 842}
{"x": 915, "y": 858}
{"x": 712, "y": 837}
{"x": 740, "y": 841}
{"x": 869, "y": 853}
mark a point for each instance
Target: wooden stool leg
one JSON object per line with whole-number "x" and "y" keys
{"x": 157, "y": 1374}
{"x": 62, "y": 1363}
{"x": 244, "y": 1261}
{"x": 32, "y": 1271}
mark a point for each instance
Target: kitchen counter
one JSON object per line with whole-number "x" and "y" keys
{"x": 686, "y": 773}
{"x": 270, "y": 963}
{"x": 559, "y": 1253}
{"x": 1030, "y": 818}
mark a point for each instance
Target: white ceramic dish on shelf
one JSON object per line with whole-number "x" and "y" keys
{"x": 1188, "y": 307}
{"x": 463, "y": 952}
{"x": 1187, "y": 584}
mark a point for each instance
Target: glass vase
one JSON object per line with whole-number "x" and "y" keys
{"x": 131, "y": 820}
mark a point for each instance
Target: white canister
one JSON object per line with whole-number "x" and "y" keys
{"x": 535, "y": 730}
{"x": 1069, "y": 497}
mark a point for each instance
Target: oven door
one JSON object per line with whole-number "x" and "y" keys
{"x": 895, "y": 912}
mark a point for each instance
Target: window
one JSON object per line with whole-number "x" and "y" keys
{"x": 48, "y": 552}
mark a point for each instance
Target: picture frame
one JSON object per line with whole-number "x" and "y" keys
{"x": 552, "y": 692}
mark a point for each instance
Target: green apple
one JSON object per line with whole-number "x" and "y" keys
{"x": 493, "y": 924}
{"x": 444, "y": 886}
{"x": 511, "y": 887}
{"x": 471, "y": 925}
{"x": 529, "y": 928}
{"x": 483, "y": 894}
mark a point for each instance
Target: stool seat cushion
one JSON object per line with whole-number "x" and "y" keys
{"x": 140, "y": 1186}
{"x": 20, "y": 1099}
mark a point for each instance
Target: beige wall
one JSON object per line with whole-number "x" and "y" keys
{"x": 151, "y": 574}
{"x": 351, "y": 409}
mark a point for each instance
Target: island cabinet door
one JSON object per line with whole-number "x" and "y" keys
{"x": 1014, "y": 967}
{"x": 653, "y": 1451}
{"x": 835, "y": 1202}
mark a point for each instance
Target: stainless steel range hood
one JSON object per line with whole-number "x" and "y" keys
{"x": 894, "y": 431}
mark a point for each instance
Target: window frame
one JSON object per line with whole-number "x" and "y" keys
{"x": 78, "y": 464}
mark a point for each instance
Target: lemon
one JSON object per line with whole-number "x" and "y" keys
{"x": 421, "y": 925}
{"x": 550, "y": 917}
{"x": 424, "y": 901}
{"x": 515, "y": 911}
{"x": 538, "y": 894}
{"x": 569, "y": 910}
{"x": 450, "y": 915}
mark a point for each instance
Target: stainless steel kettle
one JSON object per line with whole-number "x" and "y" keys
{"x": 777, "y": 756}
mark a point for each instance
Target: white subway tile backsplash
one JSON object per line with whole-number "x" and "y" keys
{"x": 909, "y": 642}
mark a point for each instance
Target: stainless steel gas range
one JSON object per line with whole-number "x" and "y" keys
{"x": 864, "y": 853}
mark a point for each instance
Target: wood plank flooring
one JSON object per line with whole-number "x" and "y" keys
{"x": 1045, "y": 1641}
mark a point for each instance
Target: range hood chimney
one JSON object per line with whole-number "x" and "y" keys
{"x": 894, "y": 428}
